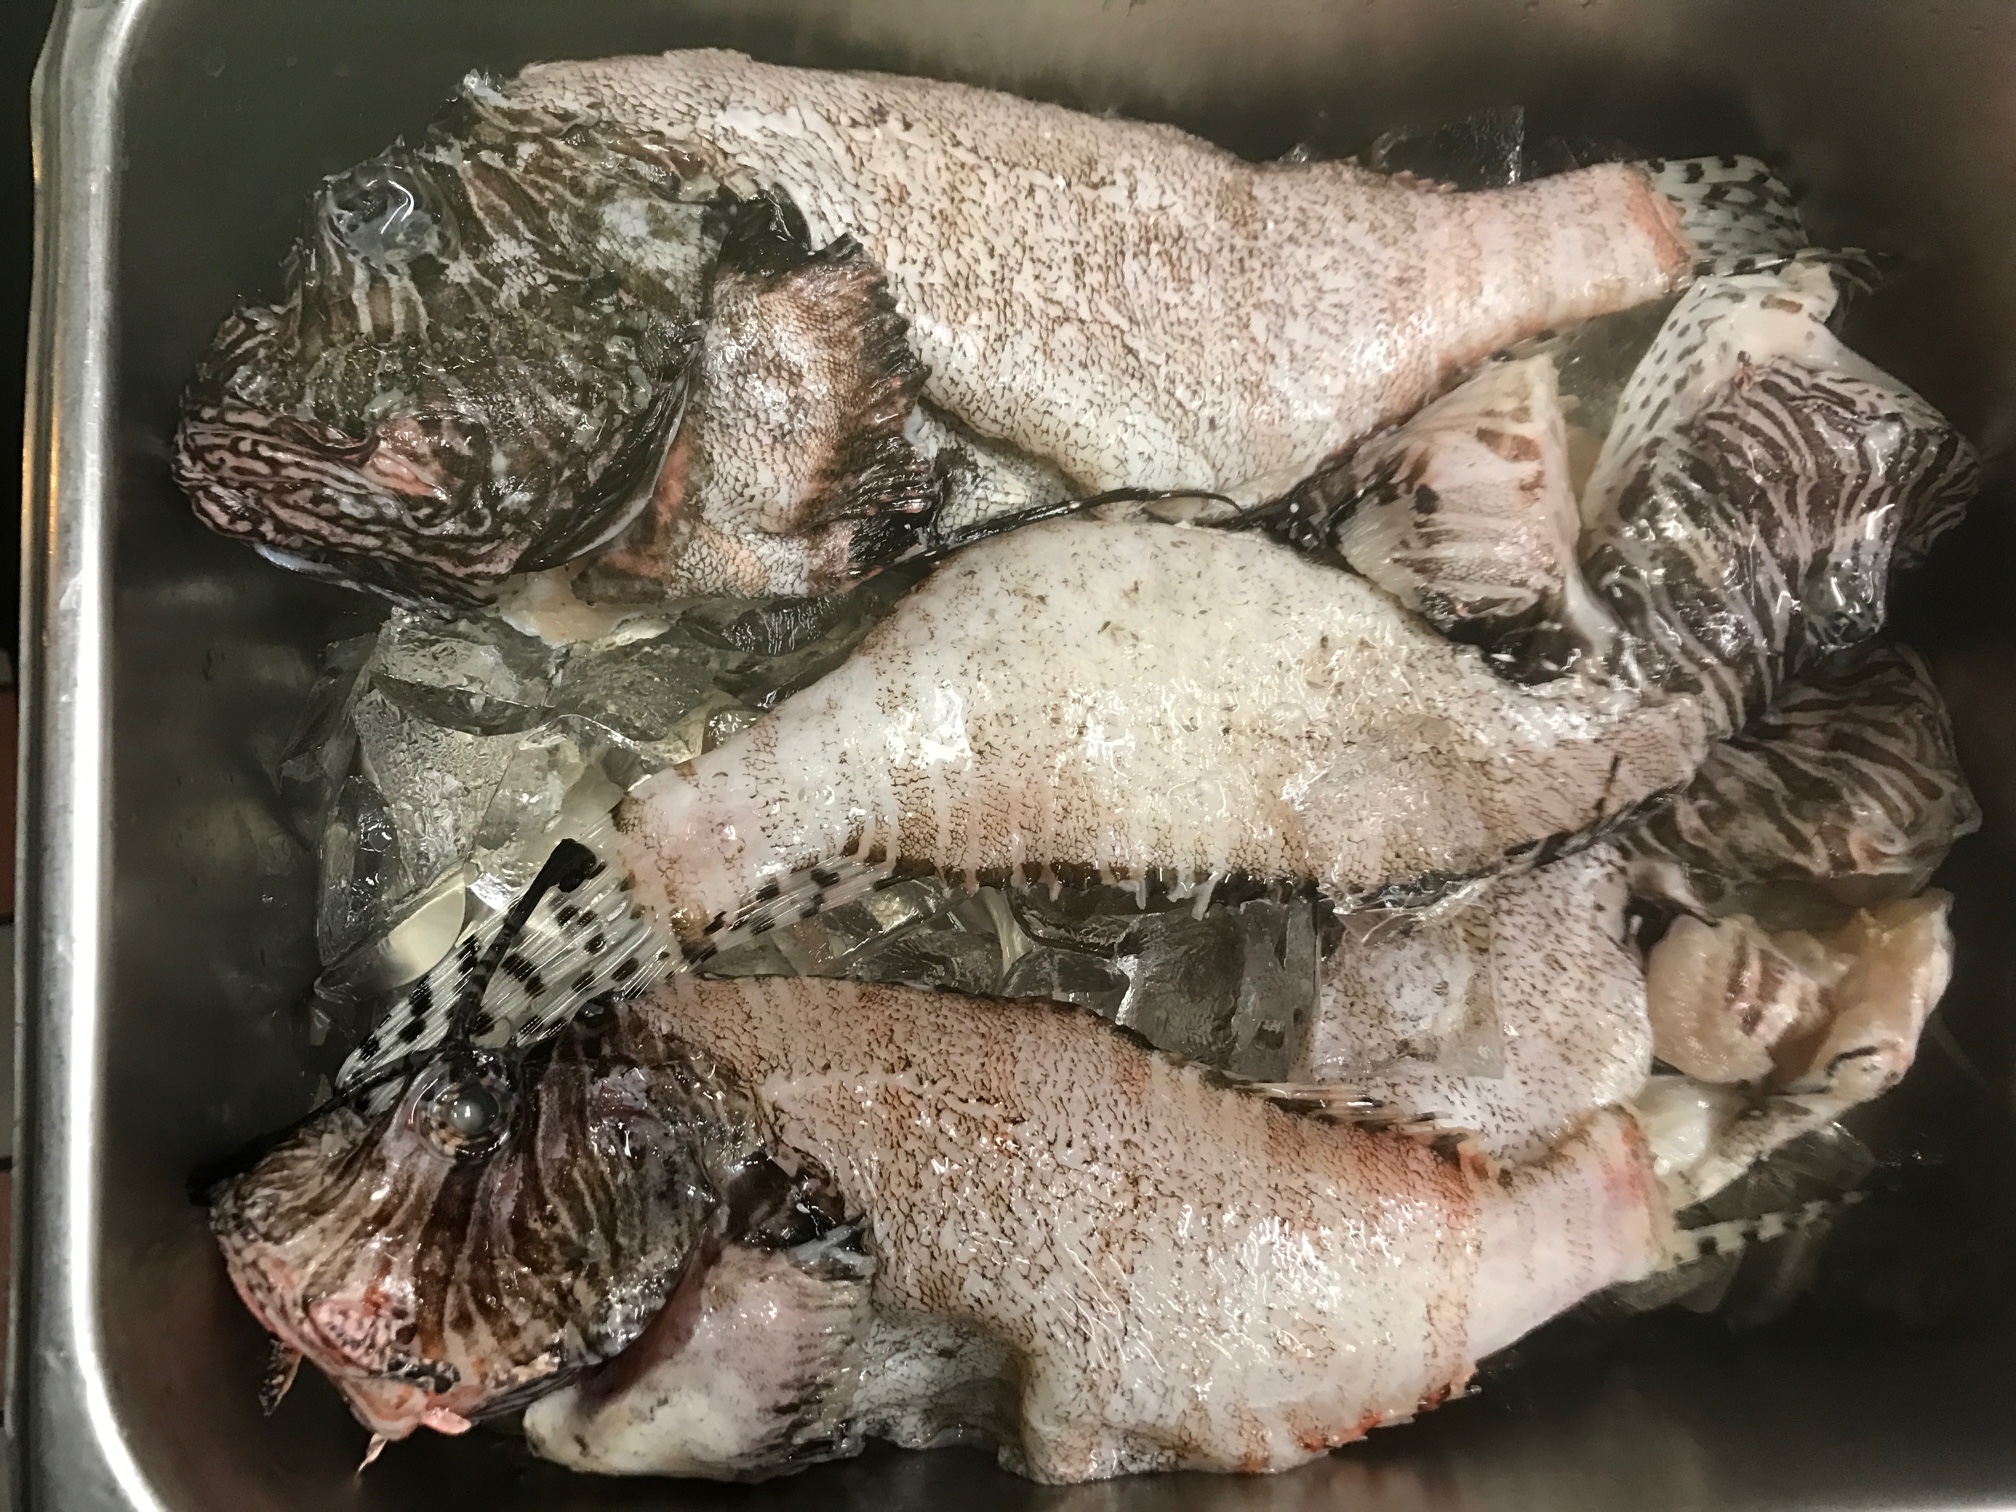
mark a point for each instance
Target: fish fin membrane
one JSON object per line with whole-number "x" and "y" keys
{"x": 832, "y": 308}
{"x": 800, "y": 895}
{"x": 1466, "y": 513}
{"x": 1732, "y": 1236}
{"x": 1758, "y": 485}
{"x": 1720, "y": 326}
{"x": 1738, "y": 213}
{"x": 591, "y": 946}
{"x": 1850, "y": 780}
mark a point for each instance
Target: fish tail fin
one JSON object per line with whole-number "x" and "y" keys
{"x": 1738, "y": 213}
{"x": 581, "y": 946}
{"x": 1732, "y": 1236}
{"x": 801, "y": 895}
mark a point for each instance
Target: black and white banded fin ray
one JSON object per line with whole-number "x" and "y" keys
{"x": 1705, "y": 1241}
{"x": 785, "y": 900}
{"x": 581, "y": 945}
{"x": 1738, "y": 213}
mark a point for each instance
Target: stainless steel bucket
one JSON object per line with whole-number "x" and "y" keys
{"x": 166, "y": 908}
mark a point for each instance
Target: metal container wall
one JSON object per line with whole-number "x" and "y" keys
{"x": 167, "y": 909}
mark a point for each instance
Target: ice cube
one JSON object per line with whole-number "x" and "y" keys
{"x": 553, "y": 787}
{"x": 477, "y": 674}
{"x": 318, "y": 756}
{"x": 1276, "y": 1000}
{"x": 1067, "y": 976}
{"x": 654, "y": 696}
{"x": 437, "y": 784}
{"x": 360, "y": 868}
{"x": 1481, "y": 151}
{"x": 403, "y": 951}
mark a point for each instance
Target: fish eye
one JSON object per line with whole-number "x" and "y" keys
{"x": 465, "y": 1104}
{"x": 387, "y": 215}
{"x": 474, "y": 1112}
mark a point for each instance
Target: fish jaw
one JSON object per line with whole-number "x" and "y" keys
{"x": 355, "y": 506}
{"x": 359, "y": 1336}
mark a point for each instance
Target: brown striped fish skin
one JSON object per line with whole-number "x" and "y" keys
{"x": 1848, "y": 789}
{"x": 484, "y": 352}
{"x": 1126, "y": 301}
{"x": 435, "y": 1284}
{"x": 1756, "y": 491}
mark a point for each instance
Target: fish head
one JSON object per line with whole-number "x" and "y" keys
{"x": 476, "y": 1240}
{"x": 478, "y": 363}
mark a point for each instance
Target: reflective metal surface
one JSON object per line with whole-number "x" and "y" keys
{"x": 165, "y": 908}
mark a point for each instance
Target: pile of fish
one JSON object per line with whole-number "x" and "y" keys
{"x": 1034, "y": 786}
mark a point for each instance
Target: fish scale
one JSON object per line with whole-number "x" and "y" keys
{"x": 1142, "y": 309}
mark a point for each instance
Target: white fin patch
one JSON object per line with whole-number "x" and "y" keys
{"x": 1720, "y": 325}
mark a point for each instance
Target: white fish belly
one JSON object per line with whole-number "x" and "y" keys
{"x": 1118, "y": 699}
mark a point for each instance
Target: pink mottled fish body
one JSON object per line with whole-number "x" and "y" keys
{"x": 1184, "y": 1275}
{"x": 1127, "y": 301}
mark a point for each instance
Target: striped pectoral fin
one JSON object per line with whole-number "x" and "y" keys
{"x": 1850, "y": 784}
{"x": 1737, "y": 212}
{"x": 1467, "y": 515}
{"x": 1872, "y": 984}
{"x": 824, "y": 316}
{"x": 586, "y": 943}
{"x": 1755, "y": 487}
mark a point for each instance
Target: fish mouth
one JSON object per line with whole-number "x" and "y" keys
{"x": 396, "y": 509}
{"x": 361, "y": 1338}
